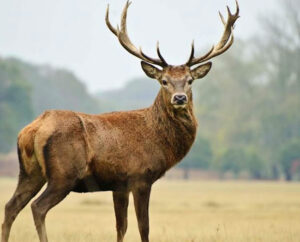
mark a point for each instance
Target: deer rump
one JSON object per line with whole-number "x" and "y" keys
{"x": 102, "y": 152}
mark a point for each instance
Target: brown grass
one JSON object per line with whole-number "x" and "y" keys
{"x": 179, "y": 211}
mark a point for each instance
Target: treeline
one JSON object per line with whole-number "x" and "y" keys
{"x": 249, "y": 105}
{"x": 27, "y": 90}
{"x": 15, "y": 104}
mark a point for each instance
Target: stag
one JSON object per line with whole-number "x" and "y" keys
{"x": 121, "y": 152}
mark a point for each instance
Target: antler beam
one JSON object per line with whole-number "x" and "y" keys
{"x": 126, "y": 42}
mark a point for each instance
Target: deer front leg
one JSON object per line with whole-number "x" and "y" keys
{"x": 141, "y": 197}
{"x": 121, "y": 205}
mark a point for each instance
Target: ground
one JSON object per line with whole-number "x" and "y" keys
{"x": 180, "y": 211}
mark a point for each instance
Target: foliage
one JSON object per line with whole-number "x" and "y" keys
{"x": 255, "y": 165}
{"x": 15, "y": 105}
{"x": 236, "y": 160}
{"x": 55, "y": 89}
{"x": 289, "y": 155}
{"x": 232, "y": 160}
{"x": 27, "y": 90}
{"x": 200, "y": 155}
{"x": 251, "y": 99}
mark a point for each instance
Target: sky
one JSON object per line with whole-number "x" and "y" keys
{"x": 72, "y": 34}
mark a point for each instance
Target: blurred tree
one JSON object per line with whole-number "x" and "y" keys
{"x": 254, "y": 165}
{"x": 226, "y": 100}
{"x": 227, "y": 103}
{"x": 199, "y": 157}
{"x": 54, "y": 88}
{"x": 27, "y": 90}
{"x": 15, "y": 104}
{"x": 233, "y": 160}
{"x": 289, "y": 156}
{"x": 252, "y": 101}
{"x": 278, "y": 50}
{"x": 7, "y": 127}
{"x": 236, "y": 160}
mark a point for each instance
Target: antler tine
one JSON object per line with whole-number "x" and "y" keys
{"x": 112, "y": 29}
{"x": 225, "y": 42}
{"x": 192, "y": 53}
{"x": 192, "y": 58}
{"x": 161, "y": 60}
{"x": 160, "y": 55}
{"x": 222, "y": 18}
{"x": 126, "y": 42}
{"x": 237, "y": 12}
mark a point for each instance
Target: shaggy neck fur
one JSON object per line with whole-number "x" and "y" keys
{"x": 176, "y": 127}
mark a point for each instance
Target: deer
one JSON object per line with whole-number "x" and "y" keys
{"x": 123, "y": 152}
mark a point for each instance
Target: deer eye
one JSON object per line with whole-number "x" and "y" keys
{"x": 164, "y": 82}
{"x": 190, "y": 81}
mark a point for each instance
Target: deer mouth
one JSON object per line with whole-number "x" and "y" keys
{"x": 179, "y": 106}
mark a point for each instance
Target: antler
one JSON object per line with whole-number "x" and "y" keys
{"x": 127, "y": 44}
{"x": 225, "y": 42}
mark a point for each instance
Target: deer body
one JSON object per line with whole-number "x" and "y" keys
{"x": 121, "y": 152}
{"x": 113, "y": 151}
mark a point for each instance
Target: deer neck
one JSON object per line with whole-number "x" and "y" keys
{"x": 175, "y": 127}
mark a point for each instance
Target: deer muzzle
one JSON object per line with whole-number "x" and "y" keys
{"x": 179, "y": 100}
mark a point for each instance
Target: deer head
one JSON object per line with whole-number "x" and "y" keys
{"x": 176, "y": 81}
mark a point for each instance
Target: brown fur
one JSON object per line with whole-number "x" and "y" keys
{"x": 177, "y": 71}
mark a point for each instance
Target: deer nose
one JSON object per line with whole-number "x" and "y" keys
{"x": 180, "y": 98}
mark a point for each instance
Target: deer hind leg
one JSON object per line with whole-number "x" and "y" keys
{"x": 121, "y": 206}
{"x": 141, "y": 197}
{"x": 64, "y": 165}
{"x": 28, "y": 186}
{"x": 54, "y": 193}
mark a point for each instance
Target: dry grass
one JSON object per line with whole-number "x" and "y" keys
{"x": 180, "y": 211}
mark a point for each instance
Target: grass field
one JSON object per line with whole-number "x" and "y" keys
{"x": 179, "y": 211}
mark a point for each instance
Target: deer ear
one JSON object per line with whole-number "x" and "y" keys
{"x": 201, "y": 71}
{"x": 151, "y": 71}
